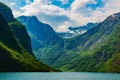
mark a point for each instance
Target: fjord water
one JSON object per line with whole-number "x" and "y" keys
{"x": 59, "y": 76}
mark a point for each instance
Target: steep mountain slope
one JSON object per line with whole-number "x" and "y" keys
{"x": 18, "y": 30}
{"x": 47, "y": 45}
{"x": 75, "y": 31}
{"x": 39, "y": 31}
{"x": 6, "y": 12}
{"x": 12, "y": 56}
{"x": 5, "y": 38}
{"x": 96, "y": 50}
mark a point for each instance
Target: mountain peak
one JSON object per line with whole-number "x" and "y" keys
{"x": 114, "y": 16}
{"x": 38, "y": 29}
{"x": 6, "y": 12}
{"x": 24, "y": 18}
{"x": 75, "y": 31}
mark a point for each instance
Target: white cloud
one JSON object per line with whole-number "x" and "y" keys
{"x": 28, "y": 2}
{"x": 81, "y": 4}
{"x": 110, "y": 8}
{"x": 78, "y": 14}
{"x": 12, "y": 4}
{"x": 17, "y": 13}
{"x": 64, "y": 1}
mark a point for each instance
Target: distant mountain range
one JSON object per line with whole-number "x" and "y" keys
{"x": 75, "y": 31}
{"x": 96, "y": 50}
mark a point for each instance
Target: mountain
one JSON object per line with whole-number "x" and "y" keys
{"x": 96, "y": 50}
{"x": 46, "y": 44}
{"x": 6, "y": 12}
{"x": 20, "y": 33}
{"x": 18, "y": 30}
{"x": 14, "y": 56}
{"x": 75, "y": 31}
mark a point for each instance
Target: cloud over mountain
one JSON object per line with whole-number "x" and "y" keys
{"x": 64, "y": 13}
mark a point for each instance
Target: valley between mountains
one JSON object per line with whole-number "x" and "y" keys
{"x": 26, "y": 44}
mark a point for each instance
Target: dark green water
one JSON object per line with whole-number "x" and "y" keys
{"x": 59, "y": 76}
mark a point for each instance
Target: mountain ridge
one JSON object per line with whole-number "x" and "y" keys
{"x": 75, "y": 31}
{"x": 14, "y": 56}
{"x": 44, "y": 38}
{"x": 86, "y": 47}
{"x": 90, "y": 51}
{"x": 16, "y": 27}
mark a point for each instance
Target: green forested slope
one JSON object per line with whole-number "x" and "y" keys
{"x": 46, "y": 44}
{"x": 14, "y": 56}
{"x": 96, "y": 50}
{"x": 18, "y": 30}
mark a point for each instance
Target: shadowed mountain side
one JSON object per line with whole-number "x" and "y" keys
{"x": 13, "y": 54}
{"x": 18, "y": 30}
{"x": 46, "y": 44}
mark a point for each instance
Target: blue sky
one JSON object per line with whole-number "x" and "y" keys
{"x": 66, "y": 4}
{"x": 99, "y": 3}
{"x": 61, "y": 14}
